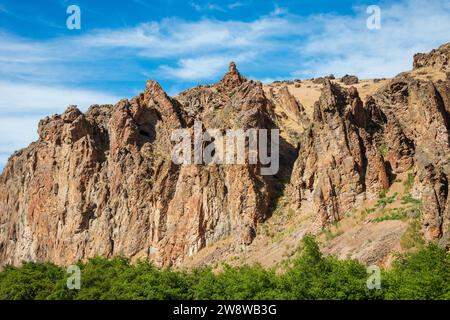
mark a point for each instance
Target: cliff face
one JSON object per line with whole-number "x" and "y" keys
{"x": 354, "y": 150}
{"x": 103, "y": 183}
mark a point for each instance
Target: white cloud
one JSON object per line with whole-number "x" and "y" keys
{"x": 26, "y": 98}
{"x": 174, "y": 37}
{"x": 206, "y": 7}
{"x": 304, "y": 46}
{"x": 271, "y": 46}
{"x": 3, "y": 160}
{"x": 315, "y": 45}
{"x": 215, "y": 7}
{"x": 51, "y": 61}
{"x": 86, "y": 57}
{"x": 194, "y": 69}
{"x": 201, "y": 68}
{"x": 236, "y": 5}
{"x": 23, "y": 105}
{"x": 16, "y": 132}
{"x": 278, "y": 11}
{"x": 345, "y": 45}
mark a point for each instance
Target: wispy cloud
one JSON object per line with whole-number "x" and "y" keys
{"x": 174, "y": 37}
{"x": 206, "y": 7}
{"x": 23, "y": 105}
{"x": 201, "y": 68}
{"x": 216, "y": 7}
{"x": 194, "y": 68}
{"x": 37, "y": 99}
{"x": 317, "y": 44}
{"x": 89, "y": 57}
{"x": 278, "y": 11}
{"x": 236, "y": 5}
{"x": 16, "y": 132}
{"x": 35, "y": 76}
{"x": 345, "y": 45}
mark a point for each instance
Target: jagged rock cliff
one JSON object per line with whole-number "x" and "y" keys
{"x": 103, "y": 183}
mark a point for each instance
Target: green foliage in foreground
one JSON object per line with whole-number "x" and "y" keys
{"x": 422, "y": 275}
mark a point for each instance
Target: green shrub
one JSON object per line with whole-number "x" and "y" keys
{"x": 408, "y": 182}
{"x": 421, "y": 275}
{"x": 383, "y": 150}
{"x": 32, "y": 281}
{"x": 393, "y": 214}
{"x": 412, "y": 238}
{"x": 383, "y": 199}
{"x": 407, "y": 198}
{"x": 309, "y": 275}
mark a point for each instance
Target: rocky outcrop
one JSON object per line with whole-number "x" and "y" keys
{"x": 417, "y": 136}
{"x": 339, "y": 163}
{"x": 103, "y": 182}
{"x": 349, "y": 80}
{"x": 437, "y": 58}
{"x": 354, "y": 150}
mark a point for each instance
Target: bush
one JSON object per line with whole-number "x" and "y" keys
{"x": 30, "y": 281}
{"x": 309, "y": 275}
{"x": 314, "y": 277}
{"x": 241, "y": 283}
{"x": 421, "y": 275}
{"x": 384, "y": 200}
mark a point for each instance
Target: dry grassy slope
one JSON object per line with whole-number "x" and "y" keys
{"x": 358, "y": 236}
{"x": 309, "y": 92}
{"x": 372, "y": 234}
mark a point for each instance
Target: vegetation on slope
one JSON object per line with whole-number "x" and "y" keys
{"x": 424, "y": 274}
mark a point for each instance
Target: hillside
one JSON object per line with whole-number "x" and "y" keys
{"x": 364, "y": 165}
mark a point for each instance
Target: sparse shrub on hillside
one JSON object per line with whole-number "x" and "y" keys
{"x": 408, "y": 183}
{"x": 412, "y": 238}
{"x": 407, "y": 198}
{"x": 383, "y": 199}
{"x": 393, "y": 214}
{"x": 383, "y": 150}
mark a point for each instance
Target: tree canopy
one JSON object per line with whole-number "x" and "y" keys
{"x": 424, "y": 274}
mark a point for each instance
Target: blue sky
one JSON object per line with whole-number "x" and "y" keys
{"x": 44, "y": 66}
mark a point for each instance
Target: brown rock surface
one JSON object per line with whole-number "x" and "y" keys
{"x": 338, "y": 164}
{"x": 103, "y": 183}
{"x": 370, "y": 243}
{"x": 349, "y": 79}
{"x": 437, "y": 58}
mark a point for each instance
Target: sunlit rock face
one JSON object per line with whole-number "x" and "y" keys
{"x": 102, "y": 183}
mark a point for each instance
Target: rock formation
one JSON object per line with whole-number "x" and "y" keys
{"x": 339, "y": 163}
{"x": 437, "y": 58}
{"x": 349, "y": 79}
{"x": 103, "y": 183}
